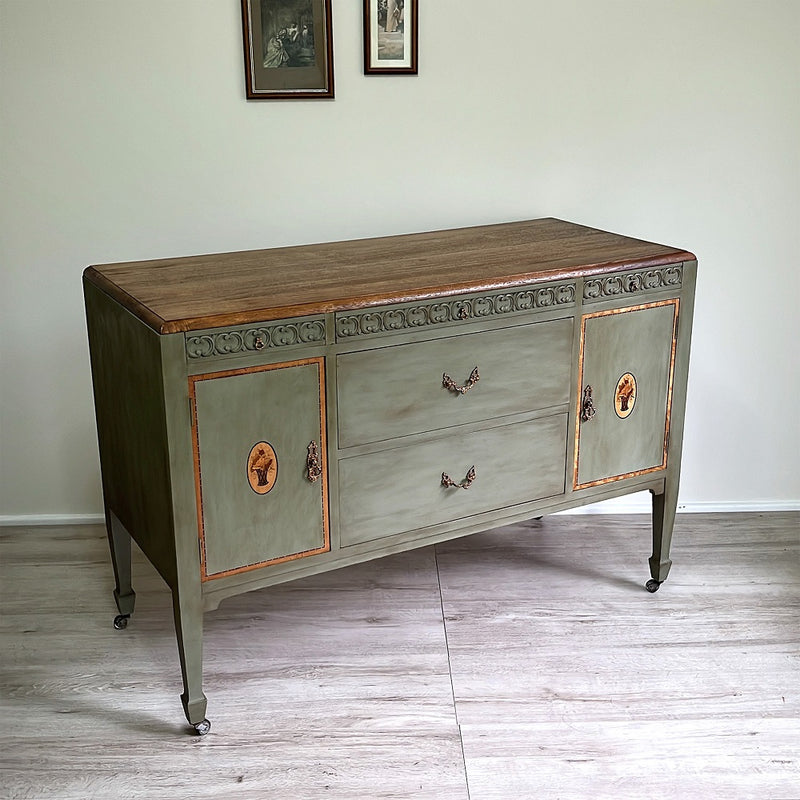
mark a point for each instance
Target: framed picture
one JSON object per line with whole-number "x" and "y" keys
{"x": 390, "y": 37}
{"x": 288, "y": 49}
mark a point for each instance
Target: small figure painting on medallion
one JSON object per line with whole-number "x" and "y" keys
{"x": 262, "y": 467}
{"x": 625, "y": 395}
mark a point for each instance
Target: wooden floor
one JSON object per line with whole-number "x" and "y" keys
{"x": 526, "y": 662}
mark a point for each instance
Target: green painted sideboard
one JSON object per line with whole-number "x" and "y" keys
{"x": 267, "y": 415}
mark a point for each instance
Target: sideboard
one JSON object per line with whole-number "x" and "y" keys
{"x": 266, "y": 415}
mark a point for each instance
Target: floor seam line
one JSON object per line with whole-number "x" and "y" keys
{"x": 450, "y": 670}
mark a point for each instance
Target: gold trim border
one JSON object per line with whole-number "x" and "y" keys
{"x": 577, "y": 486}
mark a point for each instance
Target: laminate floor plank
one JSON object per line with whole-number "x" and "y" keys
{"x": 336, "y": 686}
{"x": 708, "y": 758}
{"x": 570, "y": 680}
{"x": 524, "y": 662}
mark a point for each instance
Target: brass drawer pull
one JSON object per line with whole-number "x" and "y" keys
{"x": 450, "y": 384}
{"x": 447, "y": 481}
{"x": 587, "y": 405}
{"x": 313, "y": 466}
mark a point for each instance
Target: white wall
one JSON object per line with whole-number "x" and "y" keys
{"x": 125, "y": 135}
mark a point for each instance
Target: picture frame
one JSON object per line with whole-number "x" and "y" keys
{"x": 288, "y": 49}
{"x": 391, "y": 32}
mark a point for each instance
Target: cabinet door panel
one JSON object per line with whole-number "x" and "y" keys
{"x": 626, "y": 364}
{"x": 252, "y": 431}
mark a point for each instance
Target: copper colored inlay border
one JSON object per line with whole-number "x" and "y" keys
{"x": 326, "y": 545}
{"x": 575, "y": 485}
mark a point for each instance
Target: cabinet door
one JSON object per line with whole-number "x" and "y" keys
{"x": 624, "y": 392}
{"x": 258, "y": 435}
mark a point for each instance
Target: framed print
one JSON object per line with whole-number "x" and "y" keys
{"x": 390, "y": 37}
{"x": 288, "y": 49}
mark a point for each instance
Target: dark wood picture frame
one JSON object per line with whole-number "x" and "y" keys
{"x": 288, "y": 49}
{"x": 391, "y": 30}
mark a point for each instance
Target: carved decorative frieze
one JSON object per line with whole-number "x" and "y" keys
{"x": 632, "y": 283}
{"x": 362, "y": 323}
{"x": 253, "y": 339}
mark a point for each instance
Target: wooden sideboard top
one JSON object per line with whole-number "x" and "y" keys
{"x": 191, "y": 293}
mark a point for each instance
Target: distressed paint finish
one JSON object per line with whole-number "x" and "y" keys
{"x": 396, "y": 391}
{"x": 464, "y": 308}
{"x": 241, "y": 529}
{"x": 128, "y": 386}
{"x": 638, "y": 340}
{"x": 665, "y": 504}
{"x": 234, "y": 341}
{"x": 400, "y": 489}
{"x": 185, "y": 391}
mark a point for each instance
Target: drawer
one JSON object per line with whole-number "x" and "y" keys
{"x": 400, "y": 489}
{"x": 395, "y": 391}
{"x": 463, "y": 309}
{"x": 248, "y": 339}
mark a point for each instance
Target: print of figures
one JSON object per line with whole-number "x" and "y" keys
{"x": 390, "y": 37}
{"x": 391, "y": 15}
{"x": 288, "y": 33}
{"x": 391, "y": 26}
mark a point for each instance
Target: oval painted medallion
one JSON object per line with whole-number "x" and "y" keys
{"x": 262, "y": 467}
{"x": 625, "y": 395}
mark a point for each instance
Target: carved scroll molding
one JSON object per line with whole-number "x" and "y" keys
{"x": 364, "y": 323}
{"x": 595, "y": 289}
{"x": 254, "y": 339}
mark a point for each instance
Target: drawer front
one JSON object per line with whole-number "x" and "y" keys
{"x": 443, "y": 311}
{"x": 249, "y": 339}
{"x": 400, "y": 489}
{"x": 396, "y": 391}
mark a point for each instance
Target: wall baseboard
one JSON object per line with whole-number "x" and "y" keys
{"x": 632, "y": 504}
{"x": 640, "y": 504}
{"x": 41, "y": 520}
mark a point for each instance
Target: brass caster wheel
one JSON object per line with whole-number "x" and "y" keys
{"x": 652, "y": 586}
{"x": 121, "y": 621}
{"x": 202, "y": 728}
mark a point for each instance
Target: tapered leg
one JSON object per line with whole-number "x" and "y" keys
{"x": 119, "y": 542}
{"x": 664, "y": 508}
{"x": 189, "y": 630}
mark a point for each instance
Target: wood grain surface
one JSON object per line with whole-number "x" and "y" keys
{"x": 181, "y": 294}
{"x": 525, "y": 662}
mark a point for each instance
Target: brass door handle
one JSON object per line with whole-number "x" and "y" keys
{"x": 450, "y": 384}
{"x": 447, "y": 481}
{"x": 313, "y": 466}
{"x": 587, "y": 405}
